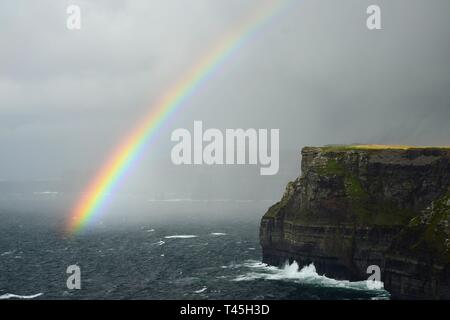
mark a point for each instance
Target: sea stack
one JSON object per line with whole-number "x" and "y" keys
{"x": 354, "y": 206}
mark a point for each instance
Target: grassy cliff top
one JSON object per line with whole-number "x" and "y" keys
{"x": 378, "y": 147}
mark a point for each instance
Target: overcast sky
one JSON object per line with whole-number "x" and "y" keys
{"x": 316, "y": 73}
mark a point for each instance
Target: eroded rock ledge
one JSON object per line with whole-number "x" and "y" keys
{"x": 356, "y": 206}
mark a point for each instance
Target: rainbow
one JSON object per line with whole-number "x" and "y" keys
{"x": 95, "y": 195}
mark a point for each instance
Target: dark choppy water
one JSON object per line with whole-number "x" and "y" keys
{"x": 139, "y": 262}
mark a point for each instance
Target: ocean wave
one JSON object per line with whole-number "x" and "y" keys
{"x": 218, "y": 234}
{"x": 308, "y": 274}
{"x": 16, "y": 296}
{"x": 159, "y": 243}
{"x": 201, "y": 290}
{"x": 181, "y": 236}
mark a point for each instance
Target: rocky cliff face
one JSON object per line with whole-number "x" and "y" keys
{"x": 356, "y": 206}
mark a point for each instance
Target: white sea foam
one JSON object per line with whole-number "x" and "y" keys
{"x": 16, "y": 296}
{"x": 201, "y": 290}
{"x": 181, "y": 236}
{"x": 218, "y": 234}
{"x": 307, "y": 274}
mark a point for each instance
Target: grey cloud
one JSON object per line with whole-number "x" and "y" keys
{"x": 317, "y": 73}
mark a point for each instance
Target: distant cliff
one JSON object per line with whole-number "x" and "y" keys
{"x": 356, "y": 206}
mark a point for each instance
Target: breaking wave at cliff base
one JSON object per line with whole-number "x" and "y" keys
{"x": 306, "y": 275}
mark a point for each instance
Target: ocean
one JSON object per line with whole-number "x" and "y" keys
{"x": 200, "y": 257}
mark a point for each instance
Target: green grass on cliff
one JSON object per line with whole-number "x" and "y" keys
{"x": 439, "y": 213}
{"x": 427, "y": 235}
{"x": 364, "y": 211}
{"x": 332, "y": 167}
{"x": 353, "y": 187}
{"x": 378, "y": 147}
{"x": 364, "y": 208}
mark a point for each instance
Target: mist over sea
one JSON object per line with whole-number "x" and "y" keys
{"x": 194, "y": 250}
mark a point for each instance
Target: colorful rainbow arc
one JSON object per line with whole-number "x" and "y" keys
{"x": 129, "y": 150}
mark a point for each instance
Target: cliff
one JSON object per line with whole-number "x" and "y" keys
{"x": 356, "y": 206}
